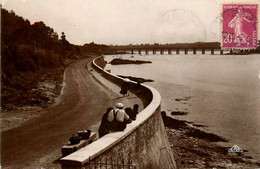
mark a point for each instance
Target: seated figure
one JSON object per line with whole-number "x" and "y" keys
{"x": 104, "y": 125}
{"x": 118, "y": 118}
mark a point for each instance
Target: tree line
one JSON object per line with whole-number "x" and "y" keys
{"x": 31, "y": 49}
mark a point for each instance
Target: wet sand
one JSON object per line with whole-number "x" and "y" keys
{"x": 192, "y": 101}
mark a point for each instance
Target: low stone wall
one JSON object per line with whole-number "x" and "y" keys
{"x": 143, "y": 144}
{"x": 146, "y": 95}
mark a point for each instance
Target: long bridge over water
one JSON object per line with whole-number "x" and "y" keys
{"x": 200, "y": 47}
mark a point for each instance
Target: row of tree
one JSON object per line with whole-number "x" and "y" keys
{"x": 29, "y": 49}
{"x": 22, "y": 40}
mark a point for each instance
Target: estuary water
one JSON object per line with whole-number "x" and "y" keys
{"x": 223, "y": 91}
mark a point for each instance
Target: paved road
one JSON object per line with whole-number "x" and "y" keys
{"x": 82, "y": 106}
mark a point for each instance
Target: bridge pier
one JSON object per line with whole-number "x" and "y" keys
{"x": 246, "y": 50}
{"x": 169, "y": 51}
{"x": 212, "y": 51}
{"x": 194, "y": 51}
{"x": 132, "y": 51}
{"x": 162, "y": 52}
{"x": 154, "y": 51}
{"x": 139, "y": 51}
{"x": 203, "y": 51}
{"x": 146, "y": 51}
{"x": 177, "y": 51}
{"x": 186, "y": 51}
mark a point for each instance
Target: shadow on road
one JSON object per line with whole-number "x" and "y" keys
{"x": 134, "y": 97}
{"x": 118, "y": 98}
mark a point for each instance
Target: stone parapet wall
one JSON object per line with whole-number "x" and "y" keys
{"x": 146, "y": 95}
{"x": 143, "y": 144}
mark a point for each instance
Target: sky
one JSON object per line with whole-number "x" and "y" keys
{"x": 126, "y": 21}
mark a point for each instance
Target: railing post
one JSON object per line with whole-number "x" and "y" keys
{"x": 112, "y": 163}
{"x": 89, "y": 162}
{"x": 123, "y": 163}
{"x": 106, "y": 162}
{"x": 95, "y": 164}
{"x": 129, "y": 163}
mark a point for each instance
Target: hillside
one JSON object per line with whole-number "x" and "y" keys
{"x": 33, "y": 61}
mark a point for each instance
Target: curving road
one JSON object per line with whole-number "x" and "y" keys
{"x": 82, "y": 105}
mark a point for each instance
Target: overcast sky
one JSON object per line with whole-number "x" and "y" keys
{"x": 126, "y": 21}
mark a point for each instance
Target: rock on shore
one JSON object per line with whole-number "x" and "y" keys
{"x": 125, "y": 61}
{"x": 136, "y": 79}
{"x": 194, "y": 148}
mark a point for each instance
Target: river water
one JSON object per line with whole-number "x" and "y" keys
{"x": 223, "y": 91}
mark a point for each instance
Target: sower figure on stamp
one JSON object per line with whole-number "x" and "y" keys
{"x": 118, "y": 118}
{"x": 237, "y": 24}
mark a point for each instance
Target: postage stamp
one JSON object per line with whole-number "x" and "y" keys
{"x": 239, "y": 26}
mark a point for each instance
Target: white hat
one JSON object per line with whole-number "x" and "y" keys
{"x": 119, "y": 105}
{"x": 126, "y": 80}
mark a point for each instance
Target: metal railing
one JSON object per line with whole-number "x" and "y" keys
{"x": 109, "y": 164}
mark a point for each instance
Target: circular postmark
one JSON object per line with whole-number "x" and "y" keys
{"x": 178, "y": 25}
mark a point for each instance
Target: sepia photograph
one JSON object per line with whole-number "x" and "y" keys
{"x": 130, "y": 84}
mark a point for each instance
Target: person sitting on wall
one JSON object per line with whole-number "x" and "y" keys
{"x": 135, "y": 108}
{"x": 132, "y": 112}
{"x": 138, "y": 88}
{"x": 118, "y": 118}
{"x": 104, "y": 125}
{"x": 125, "y": 87}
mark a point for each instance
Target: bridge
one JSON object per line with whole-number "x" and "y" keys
{"x": 169, "y": 48}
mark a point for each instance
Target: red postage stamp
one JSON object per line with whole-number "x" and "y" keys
{"x": 239, "y": 26}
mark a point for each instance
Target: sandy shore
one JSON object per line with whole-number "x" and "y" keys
{"x": 218, "y": 91}
{"x": 193, "y": 144}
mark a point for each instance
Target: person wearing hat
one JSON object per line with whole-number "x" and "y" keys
{"x": 118, "y": 118}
